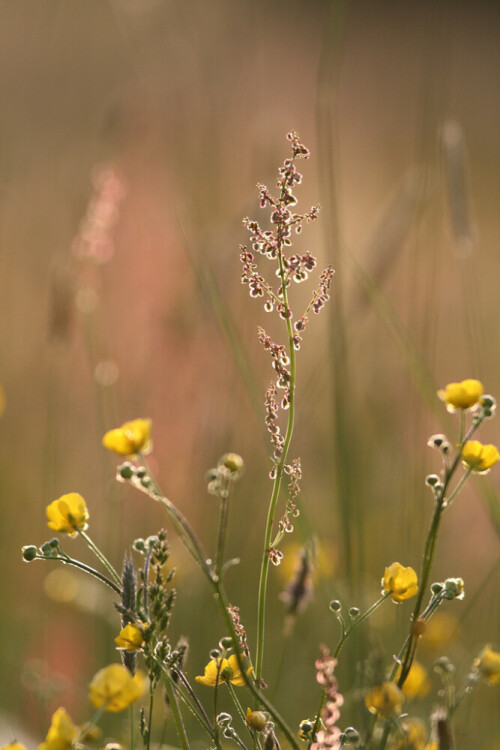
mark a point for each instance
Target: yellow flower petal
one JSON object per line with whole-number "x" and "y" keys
{"x": 462, "y": 395}
{"x": 68, "y": 514}
{"x": 114, "y": 688}
{"x": 488, "y": 665}
{"x": 222, "y": 670}
{"x": 13, "y": 746}
{"x": 61, "y": 733}
{"x": 385, "y": 699}
{"x": 478, "y": 457}
{"x": 417, "y": 683}
{"x": 400, "y": 582}
{"x": 131, "y": 438}
{"x": 130, "y": 638}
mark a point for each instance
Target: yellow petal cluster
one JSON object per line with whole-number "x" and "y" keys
{"x": 131, "y": 438}
{"x": 384, "y": 700}
{"x": 13, "y": 746}
{"x": 68, "y": 514}
{"x": 114, "y": 688}
{"x": 415, "y": 735}
{"x": 61, "y": 733}
{"x": 478, "y": 457}
{"x": 462, "y": 395}
{"x": 417, "y": 683}
{"x": 400, "y": 582}
{"x": 221, "y": 670}
{"x": 488, "y": 665}
{"x": 130, "y": 638}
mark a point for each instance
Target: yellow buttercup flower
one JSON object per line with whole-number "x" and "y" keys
{"x": 13, "y": 746}
{"x": 61, "y": 733}
{"x": 221, "y": 670}
{"x": 462, "y": 395}
{"x": 129, "y": 439}
{"x": 488, "y": 665}
{"x": 415, "y": 735}
{"x": 130, "y": 638}
{"x": 478, "y": 457}
{"x": 68, "y": 514}
{"x": 384, "y": 700}
{"x": 114, "y": 688}
{"x": 440, "y": 629}
{"x": 400, "y": 582}
{"x": 417, "y": 683}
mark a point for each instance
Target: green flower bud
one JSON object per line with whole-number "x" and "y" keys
{"x": 432, "y": 480}
{"x": 48, "y": 550}
{"x": 233, "y": 463}
{"x": 354, "y": 612}
{"x": 454, "y": 588}
{"x": 126, "y": 471}
{"x": 29, "y": 552}
{"x": 226, "y": 642}
{"x": 335, "y": 605}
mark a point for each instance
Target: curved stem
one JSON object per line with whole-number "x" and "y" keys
{"x": 97, "y": 552}
{"x": 345, "y": 635}
{"x": 82, "y": 566}
{"x": 180, "y": 522}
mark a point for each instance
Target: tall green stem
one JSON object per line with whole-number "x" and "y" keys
{"x": 264, "y": 571}
{"x": 174, "y": 707}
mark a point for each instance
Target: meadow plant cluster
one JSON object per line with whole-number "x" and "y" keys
{"x": 151, "y": 682}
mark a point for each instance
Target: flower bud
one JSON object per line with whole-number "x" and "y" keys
{"x": 354, "y": 612}
{"x": 232, "y": 462}
{"x": 488, "y": 402}
{"x": 214, "y": 653}
{"x": 350, "y": 735}
{"x": 226, "y": 642}
{"x": 29, "y": 552}
{"x": 436, "y": 588}
{"x": 256, "y": 720}
{"x": 440, "y": 442}
{"x": 126, "y": 471}
{"x": 432, "y": 480}
{"x": 335, "y": 605}
{"x": 454, "y": 588}
{"x": 443, "y": 664}
{"x": 47, "y": 549}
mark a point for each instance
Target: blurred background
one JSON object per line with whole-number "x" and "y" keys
{"x": 132, "y": 135}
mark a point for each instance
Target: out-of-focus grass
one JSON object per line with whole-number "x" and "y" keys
{"x": 191, "y": 105}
